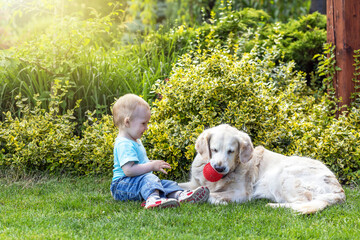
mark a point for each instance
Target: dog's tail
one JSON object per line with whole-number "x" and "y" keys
{"x": 314, "y": 205}
{"x": 303, "y": 207}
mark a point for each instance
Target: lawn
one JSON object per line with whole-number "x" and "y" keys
{"x": 63, "y": 207}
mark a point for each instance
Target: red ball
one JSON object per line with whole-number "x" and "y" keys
{"x": 211, "y": 174}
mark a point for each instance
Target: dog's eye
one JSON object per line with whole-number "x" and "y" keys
{"x": 214, "y": 150}
{"x": 230, "y": 151}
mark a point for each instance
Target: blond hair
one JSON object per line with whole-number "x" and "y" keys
{"x": 125, "y": 106}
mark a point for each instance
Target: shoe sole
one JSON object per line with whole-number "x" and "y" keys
{"x": 167, "y": 204}
{"x": 200, "y": 195}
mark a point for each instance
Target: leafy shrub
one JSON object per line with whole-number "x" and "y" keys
{"x": 38, "y": 138}
{"x": 259, "y": 95}
{"x": 99, "y": 68}
{"x": 232, "y": 74}
{"x": 334, "y": 141}
{"x": 66, "y": 50}
{"x": 45, "y": 141}
{"x": 225, "y": 31}
{"x": 300, "y": 40}
{"x": 96, "y": 146}
{"x": 151, "y": 13}
{"x": 268, "y": 100}
{"x": 87, "y": 54}
{"x": 216, "y": 87}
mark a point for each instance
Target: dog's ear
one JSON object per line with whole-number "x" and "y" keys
{"x": 245, "y": 147}
{"x": 202, "y": 144}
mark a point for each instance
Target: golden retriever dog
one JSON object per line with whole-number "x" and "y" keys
{"x": 302, "y": 184}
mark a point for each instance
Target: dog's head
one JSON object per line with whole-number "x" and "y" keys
{"x": 225, "y": 147}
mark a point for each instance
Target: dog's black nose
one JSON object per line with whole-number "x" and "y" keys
{"x": 219, "y": 169}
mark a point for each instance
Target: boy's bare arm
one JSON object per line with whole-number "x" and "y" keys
{"x": 132, "y": 170}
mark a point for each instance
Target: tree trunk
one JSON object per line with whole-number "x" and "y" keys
{"x": 318, "y": 5}
{"x": 343, "y": 31}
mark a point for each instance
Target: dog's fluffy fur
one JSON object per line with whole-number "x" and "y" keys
{"x": 302, "y": 184}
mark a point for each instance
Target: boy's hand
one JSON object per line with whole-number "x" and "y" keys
{"x": 131, "y": 169}
{"x": 160, "y": 165}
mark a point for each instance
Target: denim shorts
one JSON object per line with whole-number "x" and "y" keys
{"x": 140, "y": 187}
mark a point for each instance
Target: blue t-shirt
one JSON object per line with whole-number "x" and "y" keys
{"x": 126, "y": 150}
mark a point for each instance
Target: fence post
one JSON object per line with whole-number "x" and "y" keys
{"x": 343, "y": 31}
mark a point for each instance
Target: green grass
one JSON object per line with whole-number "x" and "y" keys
{"x": 82, "y": 208}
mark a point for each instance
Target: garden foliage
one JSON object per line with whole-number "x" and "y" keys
{"x": 268, "y": 100}
{"x": 300, "y": 40}
{"x": 241, "y": 70}
{"x": 88, "y": 54}
{"x": 45, "y": 141}
{"x": 151, "y": 13}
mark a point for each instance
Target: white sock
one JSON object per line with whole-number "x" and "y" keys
{"x": 155, "y": 195}
{"x": 174, "y": 194}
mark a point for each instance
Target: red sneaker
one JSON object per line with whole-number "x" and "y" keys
{"x": 161, "y": 203}
{"x": 199, "y": 195}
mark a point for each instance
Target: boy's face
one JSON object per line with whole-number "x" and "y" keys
{"x": 137, "y": 125}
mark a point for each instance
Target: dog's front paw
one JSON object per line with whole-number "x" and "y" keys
{"x": 217, "y": 200}
{"x": 274, "y": 205}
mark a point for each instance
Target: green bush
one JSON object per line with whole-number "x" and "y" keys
{"x": 334, "y": 141}
{"x": 300, "y": 40}
{"x": 89, "y": 55}
{"x": 216, "y": 87}
{"x": 259, "y": 95}
{"x": 70, "y": 50}
{"x": 99, "y": 68}
{"x": 38, "y": 138}
{"x": 224, "y": 31}
{"x": 96, "y": 146}
{"x": 268, "y": 100}
{"x": 231, "y": 74}
{"x": 45, "y": 141}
